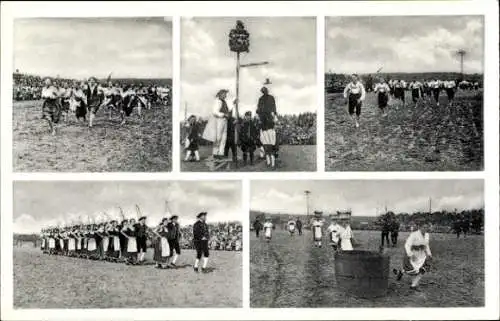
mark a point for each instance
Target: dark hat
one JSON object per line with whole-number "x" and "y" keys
{"x": 267, "y": 82}
{"x": 221, "y": 91}
{"x": 142, "y": 218}
{"x": 248, "y": 113}
{"x": 112, "y": 221}
{"x": 201, "y": 214}
{"x": 93, "y": 78}
{"x": 124, "y": 221}
{"x": 173, "y": 217}
{"x": 264, "y": 90}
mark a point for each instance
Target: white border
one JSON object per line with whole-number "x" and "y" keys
{"x": 488, "y": 8}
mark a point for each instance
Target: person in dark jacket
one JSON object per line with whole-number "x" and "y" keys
{"x": 201, "y": 236}
{"x": 394, "y": 232}
{"x": 298, "y": 224}
{"x": 257, "y": 226}
{"x": 142, "y": 235}
{"x": 248, "y": 137}
{"x": 266, "y": 110}
{"x": 174, "y": 236}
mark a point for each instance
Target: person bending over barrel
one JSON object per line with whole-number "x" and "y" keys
{"x": 417, "y": 255}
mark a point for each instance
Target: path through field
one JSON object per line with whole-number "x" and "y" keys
{"x": 42, "y": 281}
{"x": 138, "y": 146}
{"x": 405, "y": 139}
{"x": 292, "y": 158}
{"x": 290, "y": 272}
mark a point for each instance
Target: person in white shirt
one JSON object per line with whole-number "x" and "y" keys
{"x": 416, "y": 88}
{"x": 333, "y": 231}
{"x": 345, "y": 234}
{"x": 450, "y": 87}
{"x": 382, "y": 90}
{"x": 317, "y": 225}
{"x": 51, "y": 109}
{"x": 417, "y": 255}
{"x": 436, "y": 89}
{"x": 268, "y": 229}
{"x": 216, "y": 129}
{"x": 399, "y": 90}
{"x": 291, "y": 227}
{"x": 355, "y": 94}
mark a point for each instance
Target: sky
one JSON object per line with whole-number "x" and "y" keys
{"x": 40, "y": 204}
{"x": 84, "y": 47}
{"x": 207, "y": 64}
{"x": 404, "y": 44}
{"x": 365, "y": 197}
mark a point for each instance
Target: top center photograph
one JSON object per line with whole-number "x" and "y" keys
{"x": 248, "y": 95}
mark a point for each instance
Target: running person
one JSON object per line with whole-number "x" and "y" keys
{"x": 450, "y": 88}
{"x": 416, "y": 88}
{"x": 355, "y": 93}
{"x": 291, "y": 227}
{"x": 418, "y": 253}
{"x": 382, "y": 90}
{"x": 51, "y": 109}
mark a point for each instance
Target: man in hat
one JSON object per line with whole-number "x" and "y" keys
{"x": 94, "y": 97}
{"x": 355, "y": 93}
{"x": 142, "y": 235}
{"x": 174, "y": 236}
{"x": 201, "y": 236}
{"x": 317, "y": 224}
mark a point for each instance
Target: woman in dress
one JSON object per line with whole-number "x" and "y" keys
{"x": 113, "y": 251}
{"x": 130, "y": 233}
{"x": 71, "y": 242}
{"x": 317, "y": 225}
{"x": 268, "y": 116}
{"x": 216, "y": 128}
{"x": 334, "y": 229}
{"x": 268, "y": 229}
{"x": 417, "y": 255}
{"x": 345, "y": 234}
{"x": 92, "y": 250}
{"x": 162, "y": 252}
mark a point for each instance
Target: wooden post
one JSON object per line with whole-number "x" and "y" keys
{"x": 236, "y": 125}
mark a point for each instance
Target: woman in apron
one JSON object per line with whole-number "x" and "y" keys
{"x": 345, "y": 234}
{"x": 291, "y": 227}
{"x": 417, "y": 255}
{"x": 44, "y": 241}
{"x": 333, "y": 231}
{"x": 113, "y": 250}
{"x": 71, "y": 243}
{"x": 52, "y": 242}
{"x": 92, "y": 243}
{"x": 131, "y": 252}
{"x": 162, "y": 251}
{"x": 268, "y": 229}
{"x": 317, "y": 224}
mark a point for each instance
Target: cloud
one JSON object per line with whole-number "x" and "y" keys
{"x": 74, "y": 47}
{"x": 404, "y": 44}
{"x": 207, "y": 65}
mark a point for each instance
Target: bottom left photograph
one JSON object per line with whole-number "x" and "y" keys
{"x": 127, "y": 244}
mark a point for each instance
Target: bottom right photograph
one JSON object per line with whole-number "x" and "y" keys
{"x": 367, "y": 243}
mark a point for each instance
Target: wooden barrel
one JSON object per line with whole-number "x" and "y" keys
{"x": 364, "y": 274}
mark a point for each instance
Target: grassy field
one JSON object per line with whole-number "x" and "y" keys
{"x": 292, "y": 158}
{"x": 42, "y": 281}
{"x": 138, "y": 146}
{"x": 405, "y": 139}
{"x": 290, "y": 272}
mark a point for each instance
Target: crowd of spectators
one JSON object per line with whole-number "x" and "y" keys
{"x": 226, "y": 236}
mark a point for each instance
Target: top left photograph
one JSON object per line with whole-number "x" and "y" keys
{"x": 92, "y": 95}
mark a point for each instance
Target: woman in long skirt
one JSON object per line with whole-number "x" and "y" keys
{"x": 130, "y": 233}
{"x": 71, "y": 243}
{"x": 345, "y": 235}
{"x": 114, "y": 246}
{"x": 317, "y": 224}
{"x": 162, "y": 251}
{"x": 92, "y": 249}
{"x": 266, "y": 110}
{"x": 268, "y": 229}
{"x": 216, "y": 129}
{"x": 417, "y": 255}
{"x": 382, "y": 90}
{"x": 52, "y": 243}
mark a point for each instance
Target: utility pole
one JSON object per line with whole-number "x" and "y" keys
{"x": 430, "y": 205}
{"x": 461, "y": 53}
{"x": 307, "y": 193}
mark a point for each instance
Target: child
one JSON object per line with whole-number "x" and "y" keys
{"x": 192, "y": 140}
{"x": 249, "y": 137}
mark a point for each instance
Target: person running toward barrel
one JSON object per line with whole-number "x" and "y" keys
{"x": 268, "y": 229}
{"x": 317, "y": 224}
{"x": 355, "y": 93}
{"x": 417, "y": 255}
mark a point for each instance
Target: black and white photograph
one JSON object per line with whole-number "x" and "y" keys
{"x": 92, "y": 94}
{"x": 404, "y": 93}
{"x": 127, "y": 244}
{"x": 367, "y": 243}
{"x": 248, "y": 94}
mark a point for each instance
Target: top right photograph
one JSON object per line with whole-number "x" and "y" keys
{"x": 404, "y": 93}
